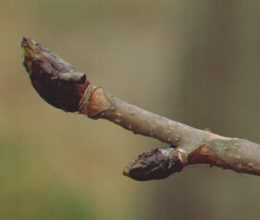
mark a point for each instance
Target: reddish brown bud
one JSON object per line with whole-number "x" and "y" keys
{"x": 55, "y": 80}
{"x": 157, "y": 164}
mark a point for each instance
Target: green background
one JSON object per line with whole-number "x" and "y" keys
{"x": 193, "y": 61}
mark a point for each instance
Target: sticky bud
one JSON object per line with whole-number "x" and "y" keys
{"x": 156, "y": 164}
{"x": 55, "y": 80}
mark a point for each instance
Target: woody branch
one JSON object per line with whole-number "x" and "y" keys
{"x": 58, "y": 83}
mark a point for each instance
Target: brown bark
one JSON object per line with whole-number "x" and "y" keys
{"x": 62, "y": 86}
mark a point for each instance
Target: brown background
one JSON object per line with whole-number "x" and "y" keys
{"x": 193, "y": 61}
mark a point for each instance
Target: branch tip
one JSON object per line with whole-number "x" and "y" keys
{"x": 55, "y": 80}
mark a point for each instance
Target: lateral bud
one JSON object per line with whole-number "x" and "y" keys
{"x": 159, "y": 163}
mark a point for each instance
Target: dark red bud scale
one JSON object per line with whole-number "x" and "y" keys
{"x": 159, "y": 163}
{"x": 55, "y": 80}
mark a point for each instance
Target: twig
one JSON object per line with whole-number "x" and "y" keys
{"x": 58, "y": 83}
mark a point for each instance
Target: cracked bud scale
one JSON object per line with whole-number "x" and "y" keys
{"x": 55, "y": 80}
{"x": 157, "y": 164}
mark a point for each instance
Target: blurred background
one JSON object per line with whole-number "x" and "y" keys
{"x": 193, "y": 61}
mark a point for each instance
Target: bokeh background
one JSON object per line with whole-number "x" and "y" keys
{"x": 193, "y": 61}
